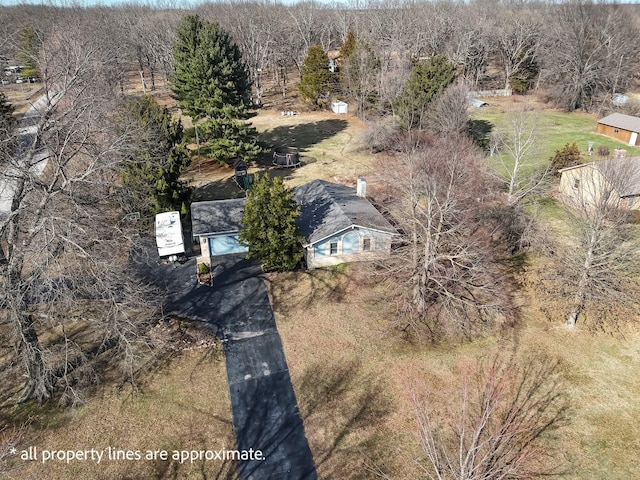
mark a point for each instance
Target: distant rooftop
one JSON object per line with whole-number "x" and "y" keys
{"x": 217, "y": 216}
{"x": 619, "y": 120}
{"x": 328, "y": 208}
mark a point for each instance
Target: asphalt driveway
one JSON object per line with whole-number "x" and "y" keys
{"x": 264, "y": 406}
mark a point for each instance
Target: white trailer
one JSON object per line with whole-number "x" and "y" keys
{"x": 169, "y": 237}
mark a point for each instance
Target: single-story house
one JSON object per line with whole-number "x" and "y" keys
{"x": 615, "y": 181}
{"x": 215, "y": 226}
{"x": 340, "y": 225}
{"x": 621, "y": 127}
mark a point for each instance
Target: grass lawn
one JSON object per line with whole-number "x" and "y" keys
{"x": 555, "y": 130}
{"x": 184, "y": 406}
{"x": 329, "y": 149}
{"x": 355, "y": 379}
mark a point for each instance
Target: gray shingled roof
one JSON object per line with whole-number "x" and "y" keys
{"x": 328, "y": 208}
{"x": 619, "y": 120}
{"x": 623, "y": 174}
{"x": 217, "y": 216}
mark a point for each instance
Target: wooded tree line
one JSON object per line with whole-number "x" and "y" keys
{"x": 72, "y": 307}
{"x": 579, "y": 52}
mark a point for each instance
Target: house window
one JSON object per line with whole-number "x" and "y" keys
{"x": 366, "y": 244}
{"x": 632, "y": 202}
{"x": 333, "y": 248}
{"x": 576, "y": 183}
{"x": 615, "y": 130}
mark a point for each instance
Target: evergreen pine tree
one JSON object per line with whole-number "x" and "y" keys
{"x": 211, "y": 82}
{"x": 152, "y": 171}
{"x": 317, "y": 80}
{"x": 349, "y": 46}
{"x": 269, "y": 224}
{"x": 8, "y": 138}
{"x": 567, "y": 156}
{"x": 29, "y": 48}
{"x": 427, "y": 80}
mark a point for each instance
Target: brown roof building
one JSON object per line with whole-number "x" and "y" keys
{"x": 621, "y": 127}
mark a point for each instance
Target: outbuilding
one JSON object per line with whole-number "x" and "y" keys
{"x": 621, "y": 127}
{"x": 614, "y": 182}
{"x": 215, "y": 226}
{"x": 339, "y": 107}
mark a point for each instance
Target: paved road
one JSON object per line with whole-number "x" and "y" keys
{"x": 26, "y": 161}
{"x": 265, "y": 411}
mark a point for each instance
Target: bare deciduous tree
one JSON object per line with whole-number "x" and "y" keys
{"x": 67, "y": 295}
{"x": 498, "y": 425}
{"x": 600, "y": 260}
{"x": 591, "y": 52}
{"x": 445, "y": 264}
{"x": 358, "y": 74}
{"x": 518, "y": 38}
{"x": 516, "y": 145}
{"x": 449, "y": 111}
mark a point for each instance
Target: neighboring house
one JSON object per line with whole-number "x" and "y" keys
{"x": 616, "y": 181}
{"x": 621, "y": 127}
{"x": 340, "y": 225}
{"x": 215, "y": 226}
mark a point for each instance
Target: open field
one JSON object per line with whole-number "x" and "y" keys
{"x": 555, "y": 127}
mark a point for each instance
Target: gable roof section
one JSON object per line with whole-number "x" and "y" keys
{"x": 328, "y": 208}
{"x": 217, "y": 216}
{"x": 619, "y": 120}
{"x": 622, "y": 173}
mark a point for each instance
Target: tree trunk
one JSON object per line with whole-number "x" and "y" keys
{"x": 579, "y": 297}
{"x": 37, "y": 386}
{"x": 283, "y": 73}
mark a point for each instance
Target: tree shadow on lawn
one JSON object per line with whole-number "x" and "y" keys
{"x": 303, "y": 135}
{"x": 344, "y": 410}
{"x": 221, "y": 189}
{"x": 327, "y": 284}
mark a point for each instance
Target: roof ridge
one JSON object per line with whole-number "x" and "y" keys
{"x": 325, "y": 185}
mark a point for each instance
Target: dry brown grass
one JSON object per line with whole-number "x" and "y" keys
{"x": 329, "y": 145}
{"x": 21, "y": 95}
{"x": 332, "y": 323}
{"x": 184, "y": 406}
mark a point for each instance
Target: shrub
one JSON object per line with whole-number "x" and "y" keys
{"x": 567, "y": 156}
{"x": 603, "y": 151}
